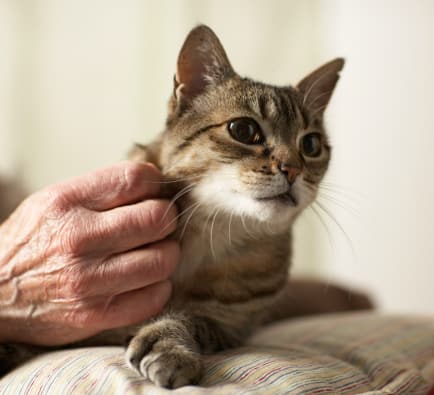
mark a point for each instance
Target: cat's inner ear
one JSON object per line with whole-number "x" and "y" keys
{"x": 202, "y": 61}
{"x": 317, "y": 88}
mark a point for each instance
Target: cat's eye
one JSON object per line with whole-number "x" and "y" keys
{"x": 246, "y": 131}
{"x": 311, "y": 145}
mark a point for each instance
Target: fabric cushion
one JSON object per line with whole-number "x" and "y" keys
{"x": 361, "y": 353}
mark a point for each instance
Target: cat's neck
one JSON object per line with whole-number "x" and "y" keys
{"x": 212, "y": 237}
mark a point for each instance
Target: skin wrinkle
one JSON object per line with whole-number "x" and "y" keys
{"x": 14, "y": 294}
{"x": 44, "y": 252}
{"x": 18, "y": 266}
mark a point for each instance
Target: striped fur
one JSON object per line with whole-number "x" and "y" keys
{"x": 235, "y": 263}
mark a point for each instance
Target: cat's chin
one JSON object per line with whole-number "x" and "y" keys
{"x": 286, "y": 199}
{"x": 277, "y": 210}
{"x": 280, "y": 210}
{"x": 276, "y": 213}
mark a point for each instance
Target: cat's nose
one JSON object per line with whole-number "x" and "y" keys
{"x": 291, "y": 172}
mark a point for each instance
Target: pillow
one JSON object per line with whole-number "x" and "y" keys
{"x": 356, "y": 353}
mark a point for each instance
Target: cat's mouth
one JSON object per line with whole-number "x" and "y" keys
{"x": 286, "y": 198}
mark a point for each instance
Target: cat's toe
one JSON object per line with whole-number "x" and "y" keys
{"x": 169, "y": 367}
{"x": 165, "y": 354}
{"x": 138, "y": 348}
{"x": 172, "y": 369}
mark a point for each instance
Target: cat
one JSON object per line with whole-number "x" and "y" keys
{"x": 241, "y": 160}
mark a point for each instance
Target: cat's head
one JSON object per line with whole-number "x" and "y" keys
{"x": 247, "y": 148}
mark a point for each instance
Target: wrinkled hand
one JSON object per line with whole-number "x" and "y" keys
{"x": 86, "y": 255}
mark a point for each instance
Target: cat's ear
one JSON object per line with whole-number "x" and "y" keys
{"x": 202, "y": 62}
{"x": 317, "y": 88}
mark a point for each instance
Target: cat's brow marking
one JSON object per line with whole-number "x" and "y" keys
{"x": 261, "y": 103}
{"x": 238, "y": 151}
{"x": 188, "y": 140}
{"x": 272, "y": 108}
{"x": 278, "y": 105}
{"x": 287, "y": 106}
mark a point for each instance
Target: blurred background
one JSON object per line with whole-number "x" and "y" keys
{"x": 81, "y": 80}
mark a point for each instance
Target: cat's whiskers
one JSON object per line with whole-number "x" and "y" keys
{"x": 211, "y": 241}
{"x": 325, "y": 227}
{"x": 346, "y": 200}
{"x": 205, "y": 224}
{"x": 229, "y": 232}
{"x": 311, "y": 192}
{"x": 320, "y": 205}
{"x": 175, "y": 181}
{"x": 177, "y": 217}
{"x": 339, "y": 226}
{"x": 181, "y": 193}
{"x": 252, "y": 236}
{"x": 270, "y": 231}
{"x": 338, "y": 202}
{"x": 351, "y": 193}
{"x": 190, "y": 216}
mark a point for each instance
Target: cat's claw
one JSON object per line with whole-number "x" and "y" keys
{"x": 169, "y": 367}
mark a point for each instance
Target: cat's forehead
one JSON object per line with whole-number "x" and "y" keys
{"x": 279, "y": 106}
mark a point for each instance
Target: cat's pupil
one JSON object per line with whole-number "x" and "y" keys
{"x": 245, "y": 130}
{"x": 311, "y": 145}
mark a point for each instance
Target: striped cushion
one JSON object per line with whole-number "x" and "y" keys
{"x": 360, "y": 353}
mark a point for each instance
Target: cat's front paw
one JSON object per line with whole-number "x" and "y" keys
{"x": 165, "y": 361}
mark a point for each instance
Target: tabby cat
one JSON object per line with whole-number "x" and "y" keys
{"x": 243, "y": 159}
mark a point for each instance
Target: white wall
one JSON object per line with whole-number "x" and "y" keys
{"x": 382, "y": 124}
{"x": 82, "y": 79}
{"x": 8, "y": 45}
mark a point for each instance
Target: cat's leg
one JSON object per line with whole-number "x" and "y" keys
{"x": 309, "y": 296}
{"x": 168, "y": 350}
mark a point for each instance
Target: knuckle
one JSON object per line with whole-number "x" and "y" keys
{"x": 156, "y": 261}
{"x": 74, "y": 284}
{"x": 60, "y": 222}
{"x": 155, "y": 213}
{"x": 135, "y": 173}
{"x": 160, "y": 215}
{"x": 82, "y": 316}
{"x": 56, "y": 199}
{"x": 72, "y": 236}
{"x": 163, "y": 260}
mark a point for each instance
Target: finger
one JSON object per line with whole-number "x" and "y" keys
{"x": 128, "y": 227}
{"x": 136, "y": 306}
{"x": 124, "y": 183}
{"x": 133, "y": 269}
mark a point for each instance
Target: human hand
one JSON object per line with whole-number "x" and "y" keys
{"x": 86, "y": 255}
